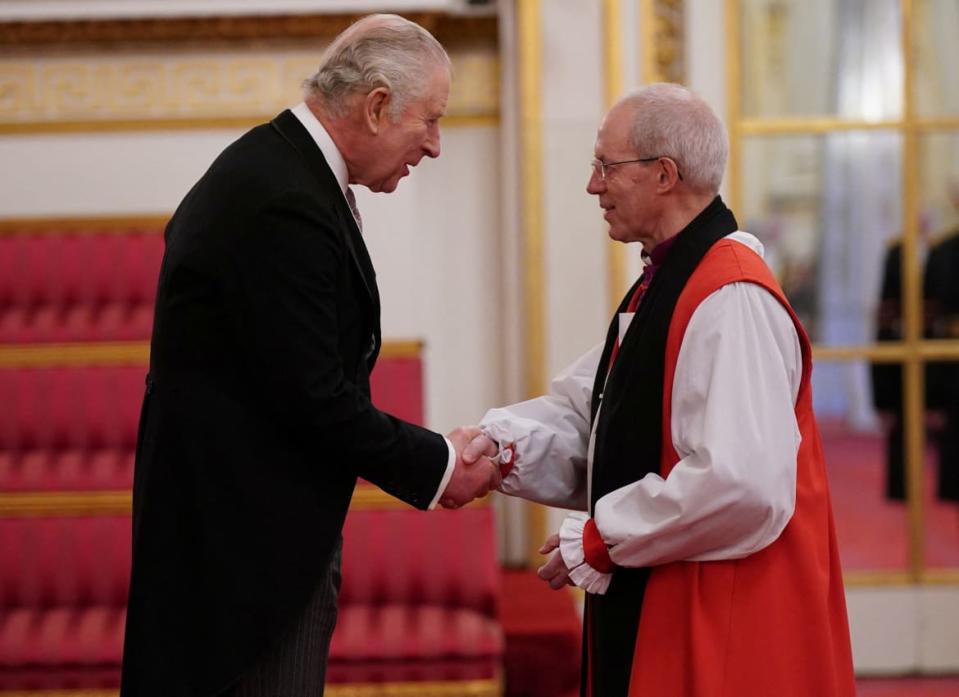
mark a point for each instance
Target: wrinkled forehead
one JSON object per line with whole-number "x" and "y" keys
{"x": 437, "y": 90}
{"x": 613, "y": 134}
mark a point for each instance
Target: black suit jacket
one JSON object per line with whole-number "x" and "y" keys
{"x": 257, "y": 418}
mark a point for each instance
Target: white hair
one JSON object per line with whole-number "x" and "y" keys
{"x": 670, "y": 120}
{"x": 379, "y": 50}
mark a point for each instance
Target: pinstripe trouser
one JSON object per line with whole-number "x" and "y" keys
{"x": 296, "y": 665}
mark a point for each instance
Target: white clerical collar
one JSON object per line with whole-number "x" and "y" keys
{"x": 324, "y": 142}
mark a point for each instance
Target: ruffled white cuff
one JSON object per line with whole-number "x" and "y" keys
{"x": 505, "y": 456}
{"x": 571, "y": 547}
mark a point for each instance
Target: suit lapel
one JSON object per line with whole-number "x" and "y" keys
{"x": 292, "y": 131}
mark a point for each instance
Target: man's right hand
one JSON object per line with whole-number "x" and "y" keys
{"x": 469, "y": 481}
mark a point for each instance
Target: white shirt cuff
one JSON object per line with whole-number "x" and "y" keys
{"x": 571, "y": 547}
{"x": 450, "y": 466}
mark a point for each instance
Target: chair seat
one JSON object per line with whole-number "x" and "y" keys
{"x": 61, "y": 648}
{"x": 112, "y": 321}
{"x": 400, "y": 643}
{"x": 67, "y": 469}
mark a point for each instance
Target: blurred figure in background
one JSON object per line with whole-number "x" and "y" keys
{"x": 940, "y": 278}
{"x": 887, "y": 377}
{"x": 941, "y": 294}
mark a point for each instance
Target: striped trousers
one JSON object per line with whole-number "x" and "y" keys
{"x": 296, "y": 665}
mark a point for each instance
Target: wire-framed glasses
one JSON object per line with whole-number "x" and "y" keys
{"x": 600, "y": 167}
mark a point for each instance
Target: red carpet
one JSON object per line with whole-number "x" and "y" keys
{"x": 873, "y": 533}
{"x": 543, "y": 635}
{"x": 908, "y": 687}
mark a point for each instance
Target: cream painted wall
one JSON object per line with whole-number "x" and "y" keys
{"x": 575, "y": 232}
{"x": 103, "y": 173}
{"x": 434, "y": 241}
{"x": 706, "y": 56}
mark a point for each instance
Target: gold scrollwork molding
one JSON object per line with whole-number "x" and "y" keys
{"x": 664, "y": 40}
{"x": 159, "y": 90}
{"x": 451, "y": 30}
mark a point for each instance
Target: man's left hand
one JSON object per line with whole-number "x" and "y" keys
{"x": 554, "y": 572}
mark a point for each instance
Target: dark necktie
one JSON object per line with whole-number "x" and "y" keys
{"x": 351, "y": 200}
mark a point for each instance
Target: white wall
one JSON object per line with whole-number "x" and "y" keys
{"x": 103, "y": 173}
{"x": 575, "y": 233}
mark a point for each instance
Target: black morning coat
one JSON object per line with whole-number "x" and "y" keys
{"x": 257, "y": 418}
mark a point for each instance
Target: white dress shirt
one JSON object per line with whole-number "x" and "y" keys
{"x": 733, "y": 426}
{"x": 334, "y": 158}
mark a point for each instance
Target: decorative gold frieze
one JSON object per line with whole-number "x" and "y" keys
{"x": 93, "y": 91}
{"x": 666, "y": 55}
{"x": 451, "y": 30}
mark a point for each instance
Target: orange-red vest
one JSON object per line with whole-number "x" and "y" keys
{"x": 772, "y": 624}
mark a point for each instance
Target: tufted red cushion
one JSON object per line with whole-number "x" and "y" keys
{"x": 77, "y": 407}
{"x": 397, "y": 387}
{"x": 397, "y": 642}
{"x": 403, "y": 556}
{"x": 71, "y": 469}
{"x": 94, "y": 286}
{"x": 114, "y": 321}
{"x": 90, "y": 636}
{"x": 63, "y": 585}
{"x": 75, "y": 562}
{"x": 419, "y": 596}
{"x": 63, "y": 678}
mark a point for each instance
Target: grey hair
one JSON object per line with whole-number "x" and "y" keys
{"x": 670, "y": 120}
{"x": 381, "y": 50}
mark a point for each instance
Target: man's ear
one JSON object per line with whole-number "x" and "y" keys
{"x": 667, "y": 175}
{"x": 375, "y": 109}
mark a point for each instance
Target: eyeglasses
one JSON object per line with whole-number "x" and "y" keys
{"x": 600, "y": 167}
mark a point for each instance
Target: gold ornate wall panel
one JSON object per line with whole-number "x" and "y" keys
{"x": 664, "y": 40}
{"x": 78, "y": 76}
{"x": 449, "y": 29}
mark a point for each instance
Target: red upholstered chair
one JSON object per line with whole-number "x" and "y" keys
{"x": 68, "y": 428}
{"x": 63, "y": 585}
{"x": 418, "y": 602}
{"x": 95, "y": 285}
{"x": 419, "y": 598}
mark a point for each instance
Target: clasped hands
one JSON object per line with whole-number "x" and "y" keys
{"x": 474, "y": 474}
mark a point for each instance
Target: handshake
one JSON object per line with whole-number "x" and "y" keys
{"x": 474, "y": 474}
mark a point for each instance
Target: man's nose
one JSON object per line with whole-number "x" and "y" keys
{"x": 432, "y": 143}
{"x": 596, "y": 183}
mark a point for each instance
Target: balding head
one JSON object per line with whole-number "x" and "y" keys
{"x": 380, "y": 50}
{"x": 669, "y": 120}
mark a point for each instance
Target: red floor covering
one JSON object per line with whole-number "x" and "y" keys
{"x": 873, "y": 532}
{"x": 899, "y": 687}
{"x": 908, "y": 687}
